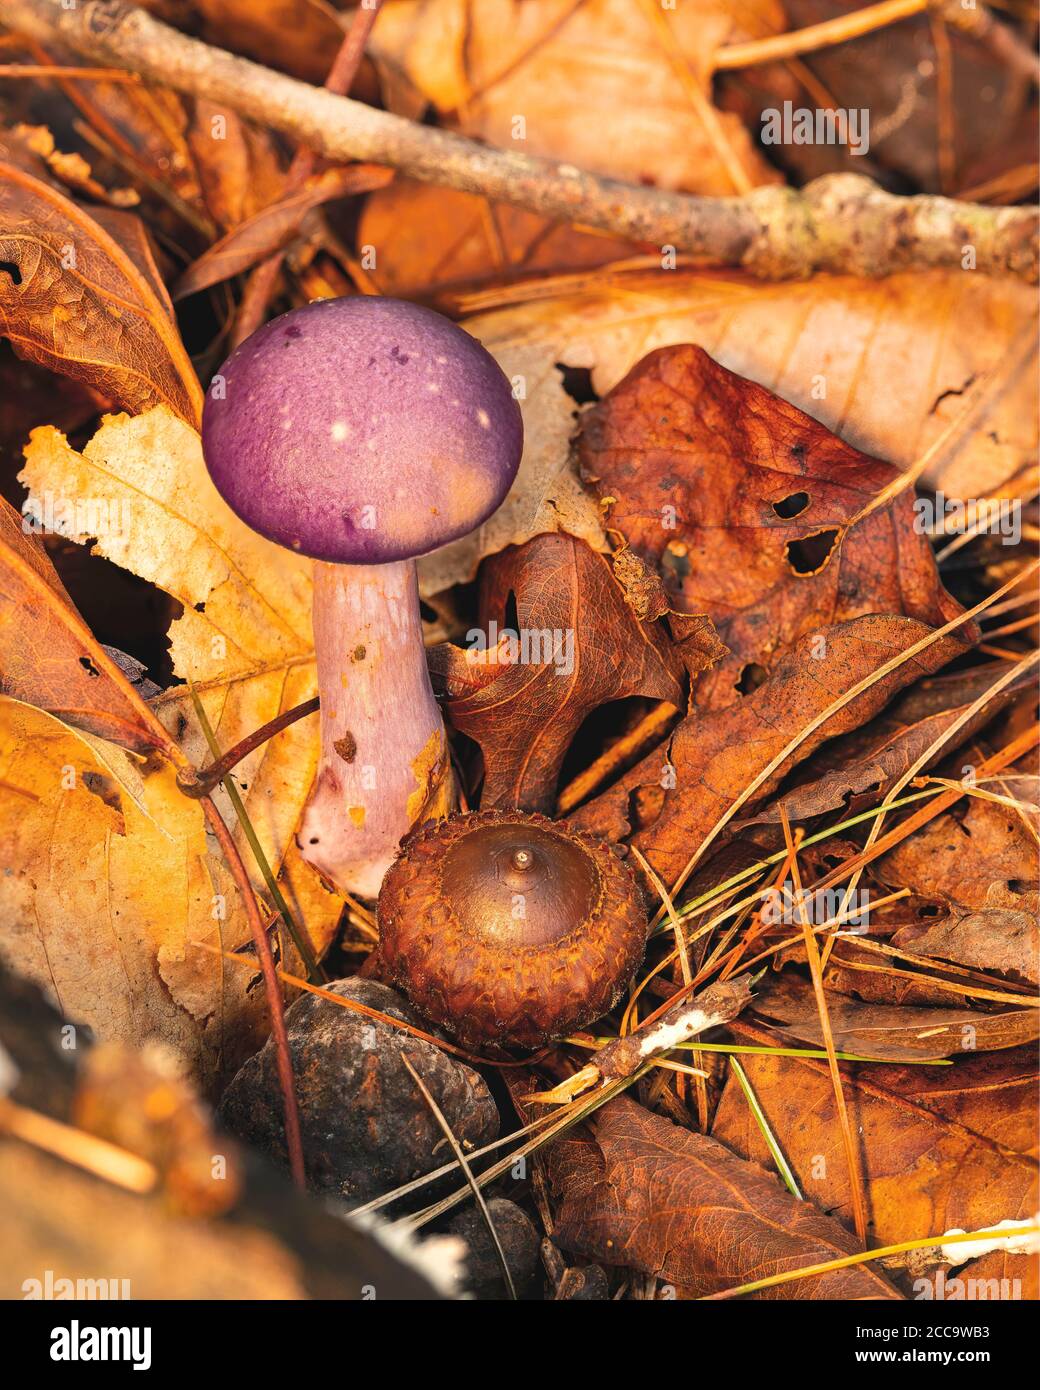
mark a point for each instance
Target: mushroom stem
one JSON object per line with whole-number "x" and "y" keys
{"x": 384, "y": 753}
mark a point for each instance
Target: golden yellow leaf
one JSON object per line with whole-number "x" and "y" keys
{"x": 244, "y": 638}
{"x": 104, "y": 901}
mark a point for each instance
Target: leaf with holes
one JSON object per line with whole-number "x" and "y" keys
{"x": 244, "y": 637}
{"x": 743, "y": 501}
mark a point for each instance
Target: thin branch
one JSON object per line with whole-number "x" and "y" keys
{"x": 261, "y": 284}
{"x": 283, "y": 1056}
{"x": 815, "y": 36}
{"x": 199, "y": 782}
{"x": 841, "y": 222}
{"x": 1003, "y": 42}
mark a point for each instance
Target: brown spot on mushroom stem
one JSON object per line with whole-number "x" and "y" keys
{"x": 359, "y": 652}
{"x": 346, "y": 747}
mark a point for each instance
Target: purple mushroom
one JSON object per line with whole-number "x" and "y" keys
{"x": 365, "y": 432}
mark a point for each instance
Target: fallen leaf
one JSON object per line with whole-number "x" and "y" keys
{"x": 979, "y": 856}
{"x": 426, "y": 237}
{"x": 244, "y": 638}
{"x": 871, "y": 758}
{"x": 671, "y": 799}
{"x": 742, "y": 501}
{"x": 273, "y": 227}
{"x": 104, "y": 903}
{"x": 576, "y": 644}
{"x": 237, "y": 163}
{"x": 48, "y": 655}
{"x": 296, "y": 36}
{"x": 643, "y": 1193}
{"x": 995, "y": 939}
{"x": 899, "y": 1034}
{"x": 941, "y": 1147}
{"x": 569, "y": 69}
{"x": 81, "y": 297}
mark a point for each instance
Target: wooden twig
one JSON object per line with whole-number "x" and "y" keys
{"x": 1007, "y": 46}
{"x": 199, "y": 782}
{"x": 841, "y": 222}
{"x": 840, "y": 29}
{"x": 262, "y": 281}
{"x": 283, "y": 1055}
{"x": 1001, "y": 40}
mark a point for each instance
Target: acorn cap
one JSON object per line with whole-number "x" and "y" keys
{"x": 505, "y": 927}
{"x": 361, "y": 431}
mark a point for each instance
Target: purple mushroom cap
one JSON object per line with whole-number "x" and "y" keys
{"x": 361, "y": 431}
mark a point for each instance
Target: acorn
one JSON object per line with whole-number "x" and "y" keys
{"x": 504, "y": 927}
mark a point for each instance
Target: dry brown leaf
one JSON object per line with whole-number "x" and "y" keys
{"x": 980, "y": 856}
{"x": 568, "y": 71}
{"x": 297, "y": 36}
{"x": 591, "y": 649}
{"x": 871, "y": 758}
{"x": 997, "y": 939}
{"x": 943, "y": 1147}
{"x": 273, "y": 227}
{"x": 425, "y": 236}
{"x": 742, "y": 501}
{"x": 236, "y": 163}
{"x": 895, "y": 1033}
{"x": 643, "y": 1193}
{"x": 82, "y": 297}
